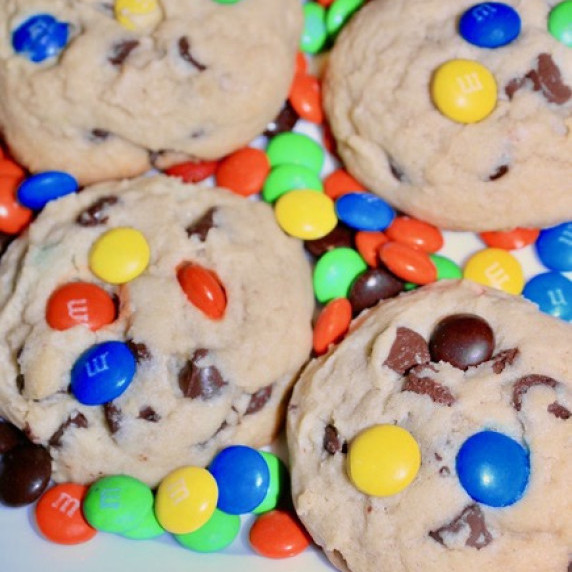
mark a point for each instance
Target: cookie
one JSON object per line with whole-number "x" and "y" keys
{"x": 122, "y": 365}
{"x": 507, "y": 169}
{"x": 450, "y": 373}
{"x": 96, "y": 89}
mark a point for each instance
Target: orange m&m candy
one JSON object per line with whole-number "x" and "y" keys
{"x": 332, "y": 324}
{"x": 243, "y": 171}
{"x": 306, "y": 97}
{"x": 278, "y": 534}
{"x": 510, "y": 239}
{"x": 13, "y": 216}
{"x": 408, "y": 263}
{"x": 415, "y": 233}
{"x": 59, "y": 515}
{"x": 80, "y": 303}
{"x": 368, "y": 243}
{"x": 193, "y": 171}
{"x": 203, "y": 289}
{"x": 340, "y": 182}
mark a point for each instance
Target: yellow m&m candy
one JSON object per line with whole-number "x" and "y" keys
{"x": 186, "y": 499}
{"x": 383, "y": 460}
{"x": 496, "y": 268}
{"x": 119, "y": 255}
{"x": 138, "y": 14}
{"x": 464, "y": 90}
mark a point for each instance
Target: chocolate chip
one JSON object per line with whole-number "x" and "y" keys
{"x": 559, "y": 411}
{"x": 284, "y": 121}
{"x": 258, "y": 400}
{"x": 397, "y": 172}
{"x": 522, "y": 385}
{"x": 203, "y": 382}
{"x": 425, "y": 385}
{"x": 332, "y": 442}
{"x": 545, "y": 78}
{"x": 25, "y": 474}
{"x": 99, "y": 135}
{"x": 470, "y": 522}
{"x": 96, "y": 213}
{"x": 149, "y": 414}
{"x": 504, "y": 359}
{"x": 20, "y": 383}
{"x": 10, "y": 436}
{"x": 120, "y": 51}
{"x": 185, "y": 53}
{"x": 139, "y": 350}
{"x": 408, "y": 349}
{"x": 501, "y": 171}
{"x": 113, "y": 416}
{"x": 463, "y": 340}
{"x": 444, "y": 471}
{"x": 74, "y": 420}
{"x": 201, "y": 226}
{"x": 371, "y": 286}
{"x": 341, "y": 236}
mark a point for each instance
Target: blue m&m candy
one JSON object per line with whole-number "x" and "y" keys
{"x": 40, "y": 37}
{"x": 490, "y": 24}
{"x": 364, "y": 211}
{"x": 552, "y": 293}
{"x": 243, "y": 478}
{"x": 493, "y": 468}
{"x": 102, "y": 373}
{"x": 38, "y": 190}
{"x": 554, "y": 247}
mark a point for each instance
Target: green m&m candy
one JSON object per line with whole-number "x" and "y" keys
{"x": 217, "y": 533}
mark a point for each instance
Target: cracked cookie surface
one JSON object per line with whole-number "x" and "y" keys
{"x": 204, "y": 79}
{"x": 200, "y": 383}
{"x": 386, "y": 372}
{"x": 508, "y": 170}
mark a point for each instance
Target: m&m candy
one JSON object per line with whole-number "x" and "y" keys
{"x": 493, "y": 468}
{"x": 490, "y": 24}
{"x": 40, "y": 37}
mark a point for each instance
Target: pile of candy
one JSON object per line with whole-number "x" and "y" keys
{"x": 200, "y": 507}
{"x": 363, "y": 252}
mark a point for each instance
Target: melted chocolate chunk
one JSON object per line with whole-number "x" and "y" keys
{"x": 121, "y": 50}
{"x": 96, "y": 213}
{"x": 546, "y": 78}
{"x": 424, "y": 385}
{"x": 504, "y": 359}
{"x": 76, "y": 420}
{"x": 139, "y": 350}
{"x": 185, "y": 53}
{"x": 341, "y": 236}
{"x": 113, "y": 416}
{"x": 463, "y": 340}
{"x": 470, "y": 522}
{"x": 408, "y": 349}
{"x": 559, "y": 411}
{"x": 501, "y": 171}
{"x": 332, "y": 442}
{"x": 284, "y": 121}
{"x": 522, "y": 385}
{"x": 149, "y": 414}
{"x": 370, "y": 287}
{"x": 201, "y": 227}
{"x": 258, "y": 400}
{"x": 200, "y": 382}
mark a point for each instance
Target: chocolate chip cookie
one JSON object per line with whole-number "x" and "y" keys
{"x": 474, "y": 385}
{"x": 101, "y": 91}
{"x": 507, "y": 169}
{"x": 148, "y": 323}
